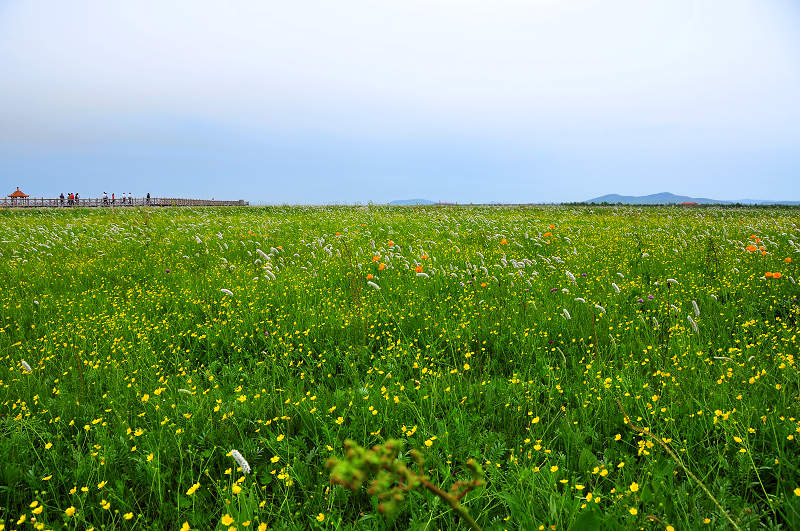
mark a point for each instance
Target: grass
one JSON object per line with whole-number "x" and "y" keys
{"x": 145, "y": 375}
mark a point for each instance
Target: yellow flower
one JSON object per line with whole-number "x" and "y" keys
{"x": 554, "y": 468}
{"x": 101, "y": 484}
{"x": 340, "y": 420}
{"x": 70, "y": 510}
{"x": 670, "y": 528}
{"x": 128, "y": 516}
{"x": 634, "y": 511}
{"x": 236, "y": 489}
{"x": 145, "y": 398}
{"x": 48, "y": 446}
{"x": 279, "y": 438}
{"x": 193, "y": 489}
{"x": 274, "y": 459}
{"x": 227, "y": 519}
{"x": 797, "y": 491}
{"x": 150, "y": 457}
{"x": 38, "y": 510}
{"x": 320, "y": 517}
{"x": 185, "y": 526}
{"x": 634, "y": 487}
{"x": 262, "y": 527}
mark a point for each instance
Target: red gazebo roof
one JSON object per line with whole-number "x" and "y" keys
{"x": 18, "y": 193}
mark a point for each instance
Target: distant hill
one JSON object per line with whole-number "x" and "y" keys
{"x": 667, "y": 198}
{"x": 410, "y": 202}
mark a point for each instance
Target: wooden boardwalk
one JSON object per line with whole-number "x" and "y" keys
{"x": 92, "y": 202}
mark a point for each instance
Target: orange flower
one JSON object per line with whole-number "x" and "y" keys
{"x": 390, "y": 242}
{"x": 752, "y": 236}
{"x": 418, "y": 269}
{"x": 424, "y": 256}
{"x": 788, "y": 260}
{"x": 547, "y": 234}
{"x": 763, "y": 253}
{"x": 768, "y": 274}
{"x": 381, "y": 266}
{"x": 483, "y": 284}
{"x": 776, "y": 275}
{"x": 376, "y": 258}
{"x": 369, "y": 277}
{"x": 750, "y": 248}
{"x": 551, "y": 227}
{"x": 503, "y": 241}
{"x": 338, "y": 233}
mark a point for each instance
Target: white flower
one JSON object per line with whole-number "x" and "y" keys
{"x": 600, "y": 308}
{"x": 671, "y": 281}
{"x": 567, "y": 316}
{"x": 694, "y": 325}
{"x": 184, "y": 391}
{"x": 227, "y": 292}
{"x": 371, "y": 283}
{"x": 580, "y": 299}
{"x": 696, "y": 309}
{"x": 241, "y": 461}
{"x": 570, "y": 276}
{"x": 25, "y": 366}
{"x": 614, "y": 285}
{"x": 424, "y": 275}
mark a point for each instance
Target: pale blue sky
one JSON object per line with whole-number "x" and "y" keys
{"x": 352, "y": 101}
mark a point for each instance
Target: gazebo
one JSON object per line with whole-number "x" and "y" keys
{"x": 18, "y": 194}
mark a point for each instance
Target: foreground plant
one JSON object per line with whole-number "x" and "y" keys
{"x": 392, "y": 479}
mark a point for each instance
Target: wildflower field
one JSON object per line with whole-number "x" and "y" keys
{"x": 140, "y": 347}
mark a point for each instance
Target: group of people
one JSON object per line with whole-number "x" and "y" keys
{"x": 72, "y": 199}
{"x": 124, "y": 200}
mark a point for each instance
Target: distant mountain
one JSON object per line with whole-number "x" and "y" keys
{"x": 411, "y": 202}
{"x": 666, "y": 198}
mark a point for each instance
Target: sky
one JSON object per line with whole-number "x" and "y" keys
{"x": 317, "y": 102}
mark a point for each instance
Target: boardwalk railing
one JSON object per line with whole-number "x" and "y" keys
{"x": 39, "y": 202}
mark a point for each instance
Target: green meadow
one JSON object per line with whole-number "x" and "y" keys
{"x": 614, "y": 367}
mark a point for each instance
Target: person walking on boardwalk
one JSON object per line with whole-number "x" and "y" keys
{"x": 148, "y": 198}
{"x": 61, "y": 199}
{"x": 75, "y": 198}
{"x": 70, "y": 198}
